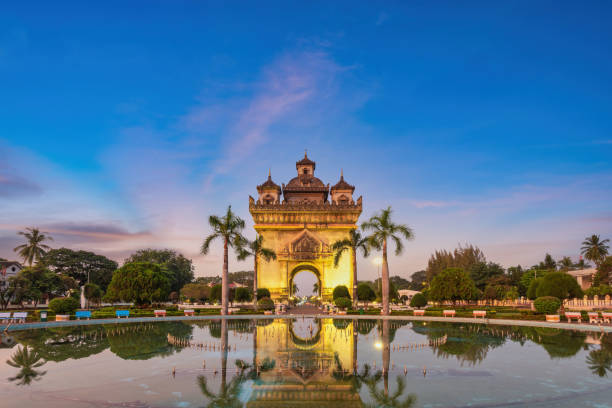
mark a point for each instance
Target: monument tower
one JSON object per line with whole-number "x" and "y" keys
{"x": 300, "y": 221}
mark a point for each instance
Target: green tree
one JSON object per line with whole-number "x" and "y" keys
{"x": 257, "y": 250}
{"x": 27, "y": 360}
{"x": 595, "y": 249}
{"x": 216, "y": 293}
{"x": 196, "y": 291}
{"x": 242, "y": 295}
{"x": 418, "y": 300}
{"x": 604, "y": 269}
{"x": 228, "y": 228}
{"x": 418, "y": 280}
{"x": 93, "y": 293}
{"x": 565, "y": 264}
{"x": 34, "y": 248}
{"x": 353, "y": 244}
{"x": 514, "y": 274}
{"x": 179, "y": 268}
{"x": 463, "y": 257}
{"x": 558, "y": 284}
{"x": 452, "y": 284}
{"x": 83, "y": 266}
{"x": 384, "y": 229}
{"x": 138, "y": 282}
{"x": 548, "y": 263}
{"x": 482, "y": 272}
{"x": 365, "y": 293}
{"x": 40, "y": 283}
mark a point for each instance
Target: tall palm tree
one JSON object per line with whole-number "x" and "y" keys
{"x": 34, "y": 249}
{"x": 257, "y": 250}
{"x": 383, "y": 229}
{"x": 27, "y": 360}
{"x": 353, "y": 243}
{"x": 594, "y": 249}
{"x": 228, "y": 228}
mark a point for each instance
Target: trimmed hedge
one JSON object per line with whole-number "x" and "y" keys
{"x": 547, "y": 304}
{"x": 63, "y": 306}
{"x": 343, "y": 302}
{"x": 341, "y": 291}
{"x": 265, "y": 304}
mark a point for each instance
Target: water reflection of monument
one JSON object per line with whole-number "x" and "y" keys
{"x": 308, "y": 354}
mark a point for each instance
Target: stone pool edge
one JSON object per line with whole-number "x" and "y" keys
{"x": 499, "y": 322}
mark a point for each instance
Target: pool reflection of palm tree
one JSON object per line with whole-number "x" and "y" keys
{"x": 27, "y": 360}
{"x": 600, "y": 362}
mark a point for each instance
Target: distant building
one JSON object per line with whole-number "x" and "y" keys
{"x": 234, "y": 285}
{"x": 584, "y": 277}
{"x": 407, "y": 292}
{"x": 8, "y": 269}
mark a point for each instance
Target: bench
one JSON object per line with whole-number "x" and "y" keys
{"x": 593, "y": 317}
{"x": 574, "y": 315}
{"x": 448, "y": 313}
{"x": 20, "y": 317}
{"x": 159, "y": 313}
{"x": 189, "y": 312}
{"x": 5, "y": 317}
{"x": 419, "y": 313}
{"x": 122, "y": 313}
{"x": 607, "y": 317}
{"x": 480, "y": 313}
{"x": 553, "y": 318}
{"x": 83, "y": 314}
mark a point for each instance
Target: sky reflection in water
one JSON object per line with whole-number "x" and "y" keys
{"x": 304, "y": 362}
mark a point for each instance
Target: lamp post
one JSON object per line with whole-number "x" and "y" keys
{"x": 378, "y": 261}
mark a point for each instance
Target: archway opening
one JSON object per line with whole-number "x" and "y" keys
{"x": 305, "y": 284}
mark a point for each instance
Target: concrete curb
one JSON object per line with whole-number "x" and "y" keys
{"x": 498, "y": 322}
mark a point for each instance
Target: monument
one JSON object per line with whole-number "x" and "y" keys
{"x": 300, "y": 221}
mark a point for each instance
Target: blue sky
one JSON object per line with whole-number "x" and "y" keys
{"x": 124, "y": 125}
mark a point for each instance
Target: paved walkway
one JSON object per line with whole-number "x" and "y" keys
{"x": 305, "y": 309}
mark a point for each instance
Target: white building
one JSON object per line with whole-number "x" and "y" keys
{"x": 584, "y": 277}
{"x": 8, "y": 269}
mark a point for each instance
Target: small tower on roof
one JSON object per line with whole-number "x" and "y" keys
{"x": 342, "y": 192}
{"x": 269, "y": 191}
{"x": 305, "y": 166}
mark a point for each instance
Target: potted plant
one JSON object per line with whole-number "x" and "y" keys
{"x": 63, "y": 307}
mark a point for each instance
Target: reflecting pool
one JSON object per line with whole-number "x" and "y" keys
{"x": 304, "y": 362}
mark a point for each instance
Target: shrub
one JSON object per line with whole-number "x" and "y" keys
{"x": 341, "y": 291}
{"x": 418, "y": 300}
{"x": 242, "y": 295}
{"x": 263, "y": 293}
{"x": 343, "y": 302}
{"x": 265, "y": 304}
{"x": 560, "y": 285}
{"x": 547, "y": 304}
{"x": 65, "y": 305}
{"x": 365, "y": 293}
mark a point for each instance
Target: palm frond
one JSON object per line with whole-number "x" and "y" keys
{"x": 206, "y": 245}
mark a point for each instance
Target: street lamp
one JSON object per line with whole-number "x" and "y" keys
{"x": 378, "y": 261}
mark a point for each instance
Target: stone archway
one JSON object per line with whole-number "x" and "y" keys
{"x": 304, "y": 267}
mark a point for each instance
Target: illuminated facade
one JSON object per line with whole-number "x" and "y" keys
{"x": 300, "y": 221}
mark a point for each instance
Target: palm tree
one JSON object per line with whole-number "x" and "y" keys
{"x": 315, "y": 288}
{"x": 228, "y": 228}
{"x": 34, "y": 249}
{"x": 255, "y": 249}
{"x": 27, "y": 359}
{"x": 565, "y": 263}
{"x": 384, "y": 400}
{"x": 600, "y": 362}
{"x": 383, "y": 229}
{"x": 353, "y": 243}
{"x": 594, "y": 249}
